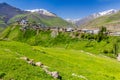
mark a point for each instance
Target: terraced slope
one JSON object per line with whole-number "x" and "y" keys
{"x": 71, "y": 64}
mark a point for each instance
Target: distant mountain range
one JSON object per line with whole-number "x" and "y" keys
{"x": 9, "y": 14}
{"x": 85, "y": 20}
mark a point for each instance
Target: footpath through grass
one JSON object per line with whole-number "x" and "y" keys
{"x": 71, "y": 64}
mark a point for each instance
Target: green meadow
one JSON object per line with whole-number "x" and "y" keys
{"x": 71, "y": 64}
{"x": 74, "y": 58}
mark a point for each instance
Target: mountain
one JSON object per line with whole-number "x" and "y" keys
{"x": 108, "y": 12}
{"x": 42, "y": 11}
{"x": 94, "y": 16}
{"x": 6, "y": 12}
{"x": 9, "y": 14}
{"x": 112, "y": 22}
{"x": 50, "y": 21}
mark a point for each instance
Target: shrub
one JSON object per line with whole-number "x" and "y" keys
{"x": 105, "y": 51}
{"x": 2, "y": 74}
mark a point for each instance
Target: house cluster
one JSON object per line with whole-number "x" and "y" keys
{"x": 70, "y": 29}
{"x": 38, "y": 26}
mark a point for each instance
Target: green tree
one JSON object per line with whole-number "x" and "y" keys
{"x": 115, "y": 48}
{"x": 102, "y": 34}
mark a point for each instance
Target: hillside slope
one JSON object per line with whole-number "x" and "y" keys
{"x": 64, "y": 40}
{"x": 51, "y": 21}
{"x": 10, "y": 14}
{"x": 71, "y": 64}
{"x": 110, "y": 21}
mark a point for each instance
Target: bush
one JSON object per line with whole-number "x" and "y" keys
{"x": 2, "y": 74}
{"x": 105, "y": 51}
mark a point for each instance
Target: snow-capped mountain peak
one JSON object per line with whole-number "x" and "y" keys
{"x": 111, "y": 11}
{"x": 42, "y": 11}
{"x": 107, "y": 12}
{"x": 92, "y": 16}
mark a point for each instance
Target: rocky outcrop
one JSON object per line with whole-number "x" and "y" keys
{"x": 54, "y": 74}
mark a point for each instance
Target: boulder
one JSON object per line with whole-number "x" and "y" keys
{"x": 55, "y": 74}
{"x": 39, "y": 64}
{"x": 25, "y": 58}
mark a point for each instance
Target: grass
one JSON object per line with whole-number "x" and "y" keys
{"x": 65, "y": 61}
{"x": 12, "y": 67}
{"x": 73, "y": 58}
{"x": 63, "y": 40}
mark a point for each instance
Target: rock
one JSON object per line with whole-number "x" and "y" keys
{"x": 47, "y": 71}
{"x": 25, "y": 58}
{"x": 45, "y": 67}
{"x": 31, "y": 62}
{"x": 39, "y": 64}
{"x": 55, "y": 74}
{"x": 118, "y": 58}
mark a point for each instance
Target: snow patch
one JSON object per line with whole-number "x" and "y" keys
{"x": 42, "y": 11}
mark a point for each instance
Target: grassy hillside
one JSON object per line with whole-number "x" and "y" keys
{"x": 110, "y": 21}
{"x": 39, "y": 18}
{"x": 63, "y": 40}
{"x": 12, "y": 67}
{"x": 74, "y": 58}
{"x": 71, "y": 64}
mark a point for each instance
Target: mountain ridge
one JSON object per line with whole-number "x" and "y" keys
{"x": 10, "y": 14}
{"x": 8, "y": 11}
{"x": 42, "y": 11}
{"x": 84, "y": 20}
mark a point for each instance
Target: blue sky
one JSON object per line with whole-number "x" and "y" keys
{"x": 67, "y": 8}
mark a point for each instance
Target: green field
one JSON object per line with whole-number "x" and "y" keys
{"x": 63, "y": 40}
{"x": 74, "y": 58}
{"x": 71, "y": 64}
